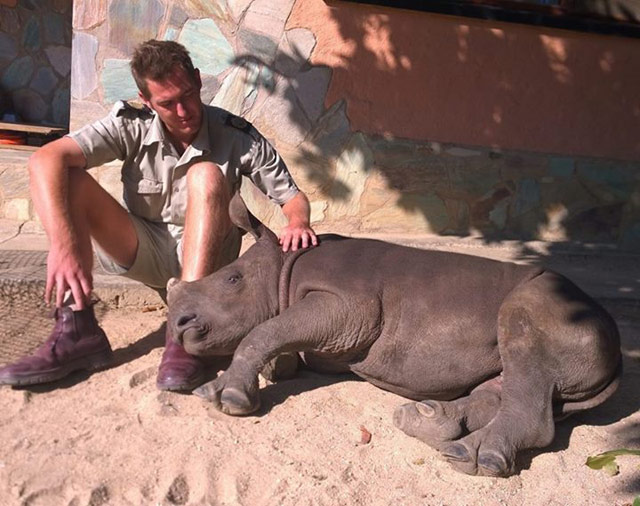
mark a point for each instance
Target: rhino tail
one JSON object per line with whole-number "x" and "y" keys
{"x": 566, "y": 409}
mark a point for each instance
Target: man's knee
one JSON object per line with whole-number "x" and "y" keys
{"x": 207, "y": 180}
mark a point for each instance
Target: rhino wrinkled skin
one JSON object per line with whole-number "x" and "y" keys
{"x": 491, "y": 351}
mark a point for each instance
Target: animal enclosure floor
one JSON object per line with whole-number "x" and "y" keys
{"x": 113, "y": 438}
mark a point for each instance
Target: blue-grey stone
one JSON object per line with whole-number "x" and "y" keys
{"x": 44, "y": 81}
{"x": 311, "y": 88}
{"x": 60, "y": 106}
{"x": 257, "y": 45}
{"x": 31, "y": 39}
{"x": 84, "y": 78}
{"x": 294, "y": 51}
{"x": 60, "y": 59}
{"x": 18, "y": 74}
{"x": 133, "y": 22}
{"x": 527, "y": 197}
{"x": 612, "y": 179}
{"x": 55, "y": 29}
{"x": 561, "y": 166}
{"x": 170, "y": 34}
{"x": 209, "y": 49}
{"x": 29, "y": 105}
{"x": 332, "y": 130}
{"x": 8, "y": 48}
{"x": 117, "y": 81}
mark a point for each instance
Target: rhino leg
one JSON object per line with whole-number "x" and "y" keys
{"x": 555, "y": 343}
{"x": 311, "y": 324}
{"x": 437, "y": 423}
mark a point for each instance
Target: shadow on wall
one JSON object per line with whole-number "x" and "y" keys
{"x": 388, "y": 88}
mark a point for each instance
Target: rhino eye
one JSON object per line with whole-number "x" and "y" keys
{"x": 234, "y": 278}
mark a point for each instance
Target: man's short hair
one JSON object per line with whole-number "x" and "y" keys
{"x": 156, "y": 60}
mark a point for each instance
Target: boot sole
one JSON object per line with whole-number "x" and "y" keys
{"x": 93, "y": 362}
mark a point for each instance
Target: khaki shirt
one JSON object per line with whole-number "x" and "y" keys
{"x": 153, "y": 173}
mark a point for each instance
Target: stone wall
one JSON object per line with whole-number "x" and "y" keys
{"x": 325, "y": 85}
{"x": 35, "y": 60}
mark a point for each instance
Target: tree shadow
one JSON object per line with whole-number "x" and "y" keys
{"x": 352, "y": 134}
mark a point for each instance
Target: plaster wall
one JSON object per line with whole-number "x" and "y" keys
{"x": 397, "y": 121}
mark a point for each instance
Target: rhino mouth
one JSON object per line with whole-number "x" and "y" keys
{"x": 194, "y": 334}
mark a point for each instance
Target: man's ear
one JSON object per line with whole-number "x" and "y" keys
{"x": 144, "y": 99}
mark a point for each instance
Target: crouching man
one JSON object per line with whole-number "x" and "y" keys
{"x": 181, "y": 162}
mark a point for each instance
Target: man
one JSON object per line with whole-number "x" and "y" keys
{"x": 182, "y": 161}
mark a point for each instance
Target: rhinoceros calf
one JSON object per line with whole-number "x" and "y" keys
{"x": 492, "y": 351}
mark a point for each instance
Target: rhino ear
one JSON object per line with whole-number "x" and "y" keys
{"x": 242, "y": 218}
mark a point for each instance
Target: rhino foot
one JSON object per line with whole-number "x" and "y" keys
{"x": 230, "y": 400}
{"x": 486, "y": 461}
{"x": 428, "y": 421}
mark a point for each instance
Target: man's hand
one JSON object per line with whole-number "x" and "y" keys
{"x": 65, "y": 272}
{"x": 298, "y": 233}
{"x": 293, "y": 237}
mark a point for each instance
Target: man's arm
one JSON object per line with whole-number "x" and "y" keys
{"x": 298, "y": 232}
{"x": 67, "y": 265}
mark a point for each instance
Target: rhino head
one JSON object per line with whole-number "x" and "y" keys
{"x": 212, "y": 315}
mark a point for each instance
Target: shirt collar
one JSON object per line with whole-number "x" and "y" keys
{"x": 155, "y": 133}
{"x": 199, "y": 146}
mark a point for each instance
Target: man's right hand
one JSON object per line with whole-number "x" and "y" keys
{"x": 66, "y": 272}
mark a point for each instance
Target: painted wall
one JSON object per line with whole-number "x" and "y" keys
{"x": 397, "y": 121}
{"x": 35, "y": 60}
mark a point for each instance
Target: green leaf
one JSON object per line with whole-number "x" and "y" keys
{"x": 607, "y": 460}
{"x": 636, "y": 501}
{"x": 611, "y": 468}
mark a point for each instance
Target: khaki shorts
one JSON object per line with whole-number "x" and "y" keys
{"x": 159, "y": 255}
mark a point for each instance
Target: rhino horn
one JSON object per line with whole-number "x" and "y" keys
{"x": 171, "y": 284}
{"x": 242, "y": 218}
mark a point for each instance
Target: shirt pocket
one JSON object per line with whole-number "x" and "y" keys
{"x": 144, "y": 198}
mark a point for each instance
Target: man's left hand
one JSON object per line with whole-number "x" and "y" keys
{"x": 293, "y": 237}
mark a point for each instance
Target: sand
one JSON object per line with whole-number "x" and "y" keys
{"x": 113, "y": 438}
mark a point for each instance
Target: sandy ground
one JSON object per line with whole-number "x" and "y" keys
{"x": 113, "y": 438}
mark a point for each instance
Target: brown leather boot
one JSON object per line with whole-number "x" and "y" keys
{"x": 76, "y": 342}
{"x": 178, "y": 370}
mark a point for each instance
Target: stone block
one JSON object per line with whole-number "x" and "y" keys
{"x": 9, "y": 20}
{"x": 235, "y": 89}
{"x": 31, "y": 38}
{"x": 60, "y": 59}
{"x": 311, "y": 89}
{"x": 117, "y": 81}
{"x": 17, "y": 209}
{"x": 89, "y": 14}
{"x": 44, "y": 81}
{"x": 84, "y": 77}
{"x": 209, "y": 49}
{"x": 294, "y": 51}
{"x": 353, "y": 167}
{"x": 56, "y": 29}
{"x": 29, "y": 105}
{"x": 282, "y": 116}
{"x": 60, "y": 106}
{"x": 8, "y": 48}
{"x": 133, "y": 22}
{"x": 18, "y": 74}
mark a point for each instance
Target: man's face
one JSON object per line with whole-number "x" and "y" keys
{"x": 176, "y": 100}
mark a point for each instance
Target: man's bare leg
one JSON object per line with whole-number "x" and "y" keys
{"x": 207, "y": 224}
{"x": 77, "y": 342}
